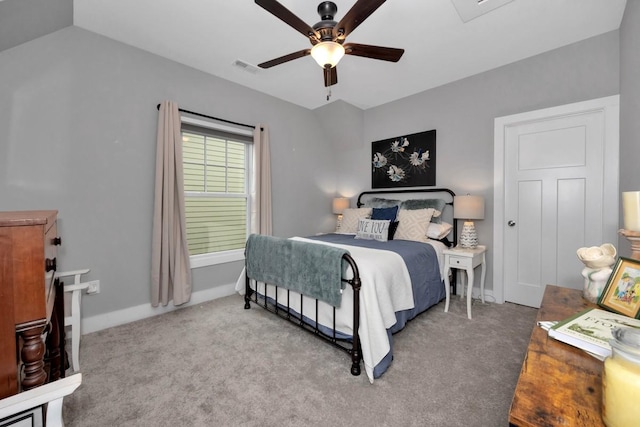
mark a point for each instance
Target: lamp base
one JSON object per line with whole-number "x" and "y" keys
{"x": 468, "y": 236}
{"x": 634, "y": 238}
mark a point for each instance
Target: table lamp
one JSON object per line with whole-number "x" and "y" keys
{"x": 339, "y": 205}
{"x": 631, "y": 212}
{"x": 468, "y": 208}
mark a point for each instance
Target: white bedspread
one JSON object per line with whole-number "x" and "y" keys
{"x": 386, "y": 288}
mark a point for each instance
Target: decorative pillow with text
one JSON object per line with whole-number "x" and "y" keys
{"x": 373, "y": 229}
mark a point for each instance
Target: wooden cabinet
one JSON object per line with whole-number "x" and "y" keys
{"x": 31, "y": 302}
{"x": 559, "y": 385}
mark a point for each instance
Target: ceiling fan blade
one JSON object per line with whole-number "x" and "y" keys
{"x": 354, "y": 17}
{"x": 281, "y": 12}
{"x": 375, "y": 52}
{"x": 285, "y": 58}
{"x": 330, "y": 76}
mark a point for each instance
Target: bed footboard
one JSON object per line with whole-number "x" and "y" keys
{"x": 283, "y": 309}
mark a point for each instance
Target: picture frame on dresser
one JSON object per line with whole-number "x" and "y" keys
{"x": 622, "y": 291}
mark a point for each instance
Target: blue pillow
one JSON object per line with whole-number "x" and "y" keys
{"x": 385, "y": 213}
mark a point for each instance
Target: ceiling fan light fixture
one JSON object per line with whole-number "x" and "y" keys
{"x": 327, "y": 53}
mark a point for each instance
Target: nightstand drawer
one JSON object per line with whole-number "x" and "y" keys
{"x": 460, "y": 262}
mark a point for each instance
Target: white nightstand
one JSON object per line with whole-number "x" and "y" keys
{"x": 464, "y": 259}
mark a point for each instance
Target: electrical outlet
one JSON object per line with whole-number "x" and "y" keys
{"x": 94, "y": 287}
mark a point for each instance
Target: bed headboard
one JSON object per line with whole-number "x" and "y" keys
{"x": 426, "y": 193}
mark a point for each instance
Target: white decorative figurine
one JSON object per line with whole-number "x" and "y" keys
{"x": 598, "y": 262}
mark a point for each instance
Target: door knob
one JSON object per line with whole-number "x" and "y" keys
{"x": 511, "y": 223}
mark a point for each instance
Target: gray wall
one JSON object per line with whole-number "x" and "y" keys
{"x": 25, "y": 20}
{"x": 463, "y": 115}
{"x": 629, "y": 105}
{"x": 78, "y": 123}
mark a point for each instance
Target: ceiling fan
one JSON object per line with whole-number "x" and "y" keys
{"x": 328, "y": 36}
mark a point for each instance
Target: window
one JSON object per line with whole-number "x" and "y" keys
{"x": 216, "y": 186}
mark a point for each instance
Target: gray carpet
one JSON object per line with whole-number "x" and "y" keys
{"x": 217, "y": 364}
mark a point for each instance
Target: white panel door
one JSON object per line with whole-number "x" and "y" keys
{"x": 554, "y": 200}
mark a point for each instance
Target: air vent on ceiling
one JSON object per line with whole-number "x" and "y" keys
{"x": 245, "y": 66}
{"x": 471, "y": 9}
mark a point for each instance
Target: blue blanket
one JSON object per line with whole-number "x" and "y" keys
{"x": 310, "y": 269}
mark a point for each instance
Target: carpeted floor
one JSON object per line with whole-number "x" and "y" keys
{"x": 217, "y": 364}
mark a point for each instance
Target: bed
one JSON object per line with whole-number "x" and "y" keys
{"x": 351, "y": 289}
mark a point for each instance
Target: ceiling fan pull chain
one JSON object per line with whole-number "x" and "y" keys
{"x": 327, "y": 72}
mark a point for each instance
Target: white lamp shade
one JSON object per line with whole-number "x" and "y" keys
{"x": 631, "y": 209}
{"x": 327, "y": 53}
{"x": 468, "y": 207}
{"x": 340, "y": 204}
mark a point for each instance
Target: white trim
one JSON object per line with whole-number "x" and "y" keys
{"x": 51, "y": 393}
{"x": 611, "y": 106}
{"x": 489, "y": 295}
{"x": 214, "y": 258}
{"x": 217, "y": 126}
{"x": 143, "y": 311}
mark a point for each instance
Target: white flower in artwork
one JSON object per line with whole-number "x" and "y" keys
{"x": 418, "y": 158}
{"x": 379, "y": 160}
{"x": 398, "y": 147}
{"x": 395, "y": 173}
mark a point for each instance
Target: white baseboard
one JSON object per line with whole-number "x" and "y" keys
{"x": 475, "y": 294}
{"x": 131, "y": 314}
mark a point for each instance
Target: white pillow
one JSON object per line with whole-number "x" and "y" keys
{"x": 350, "y": 217}
{"x": 439, "y": 231}
{"x": 413, "y": 224}
{"x": 373, "y": 229}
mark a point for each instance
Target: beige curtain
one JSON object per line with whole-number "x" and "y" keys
{"x": 261, "y": 186}
{"x": 261, "y": 222}
{"x": 170, "y": 269}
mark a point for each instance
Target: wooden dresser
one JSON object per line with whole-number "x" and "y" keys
{"x": 559, "y": 385}
{"x": 31, "y": 302}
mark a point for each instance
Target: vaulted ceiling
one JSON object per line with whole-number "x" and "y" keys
{"x": 444, "y": 40}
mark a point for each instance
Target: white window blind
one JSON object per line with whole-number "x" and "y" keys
{"x": 216, "y": 184}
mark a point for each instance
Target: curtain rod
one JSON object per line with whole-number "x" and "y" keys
{"x": 213, "y": 118}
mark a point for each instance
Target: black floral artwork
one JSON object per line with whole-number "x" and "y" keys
{"x": 404, "y": 161}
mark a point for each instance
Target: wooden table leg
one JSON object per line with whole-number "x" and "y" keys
{"x": 32, "y": 356}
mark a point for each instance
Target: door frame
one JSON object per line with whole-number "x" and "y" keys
{"x": 610, "y": 105}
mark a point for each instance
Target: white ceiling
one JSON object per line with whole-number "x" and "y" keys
{"x": 210, "y": 35}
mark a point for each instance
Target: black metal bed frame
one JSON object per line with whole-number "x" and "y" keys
{"x": 352, "y": 347}
{"x": 359, "y": 203}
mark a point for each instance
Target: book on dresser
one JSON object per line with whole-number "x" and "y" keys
{"x": 590, "y": 330}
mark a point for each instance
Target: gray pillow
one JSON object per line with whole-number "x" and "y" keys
{"x": 377, "y": 202}
{"x": 437, "y": 204}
